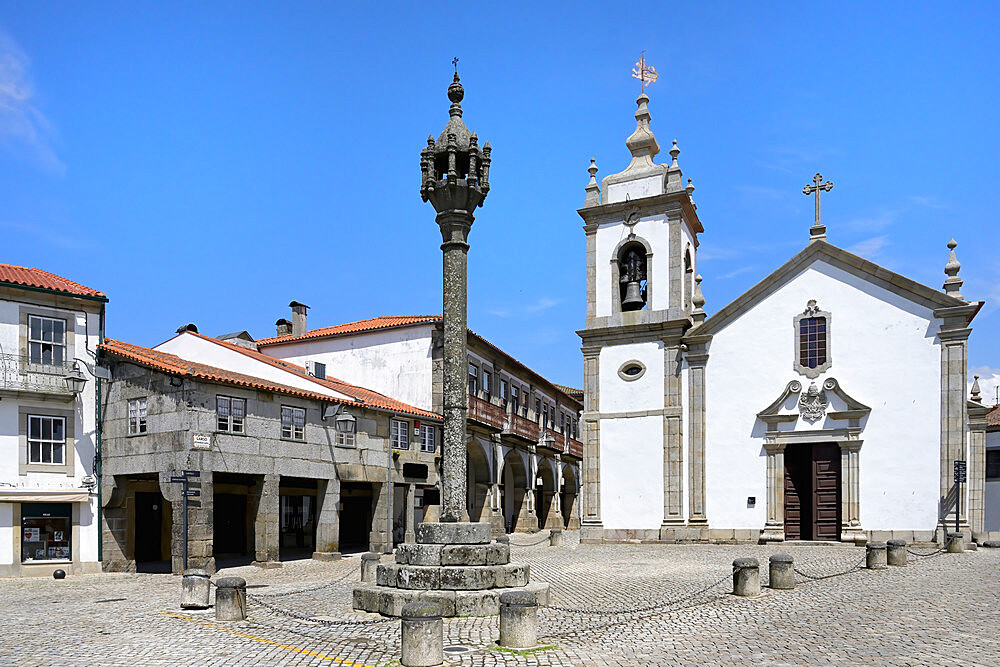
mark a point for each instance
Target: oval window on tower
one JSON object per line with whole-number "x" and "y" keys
{"x": 631, "y": 370}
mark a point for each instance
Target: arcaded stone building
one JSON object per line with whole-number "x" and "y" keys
{"x": 289, "y": 463}
{"x": 524, "y": 450}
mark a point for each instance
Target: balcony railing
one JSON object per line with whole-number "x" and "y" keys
{"x": 521, "y": 427}
{"x": 18, "y": 374}
{"x": 574, "y": 447}
{"x": 486, "y": 413}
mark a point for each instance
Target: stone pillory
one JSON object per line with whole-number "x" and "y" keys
{"x": 455, "y": 180}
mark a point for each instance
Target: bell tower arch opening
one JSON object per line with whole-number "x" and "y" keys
{"x": 633, "y": 276}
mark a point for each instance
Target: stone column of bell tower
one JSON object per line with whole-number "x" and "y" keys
{"x": 641, "y": 226}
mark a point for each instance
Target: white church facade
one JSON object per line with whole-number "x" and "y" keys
{"x": 784, "y": 415}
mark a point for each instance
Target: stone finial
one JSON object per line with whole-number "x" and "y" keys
{"x": 953, "y": 284}
{"x": 674, "y": 152}
{"x": 593, "y": 189}
{"x": 642, "y": 143}
{"x": 698, "y": 301}
{"x": 690, "y": 188}
{"x": 976, "y": 390}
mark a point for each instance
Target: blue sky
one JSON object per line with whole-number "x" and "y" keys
{"x": 208, "y": 163}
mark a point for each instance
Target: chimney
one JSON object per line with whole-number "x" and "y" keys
{"x": 187, "y": 327}
{"x": 284, "y": 327}
{"x": 298, "y": 317}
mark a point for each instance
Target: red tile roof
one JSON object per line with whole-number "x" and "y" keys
{"x": 993, "y": 418}
{"x": 366, "y": 396}
{"x": 394, "y": 321}
{"x": 29, "y": 277}
{"x": 171, "y": 363}
{"x": 371, "y": 324}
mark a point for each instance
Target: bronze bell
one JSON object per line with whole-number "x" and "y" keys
{"x": 633, "y": 296}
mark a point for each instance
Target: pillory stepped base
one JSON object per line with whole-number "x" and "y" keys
{"x": 454, "y": 565}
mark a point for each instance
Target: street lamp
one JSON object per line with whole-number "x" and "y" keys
{"x": 345, "y": 422}
{"x": 75, "y": 380}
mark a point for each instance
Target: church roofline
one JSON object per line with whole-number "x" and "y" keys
{"x": 842, "y": 259}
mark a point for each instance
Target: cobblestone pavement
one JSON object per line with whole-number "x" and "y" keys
{"x": 939, "y": 609}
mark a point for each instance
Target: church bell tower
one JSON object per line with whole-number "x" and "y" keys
{"x": 643, "y": 293}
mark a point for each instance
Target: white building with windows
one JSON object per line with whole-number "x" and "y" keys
{"x": 50, "y": 328}
{"x": 783, "y": 416}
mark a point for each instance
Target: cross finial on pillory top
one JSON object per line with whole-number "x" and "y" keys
{"x": 645, "y": 73}
{"x": 818, "y": 231}
{"x": 454, "y": 61}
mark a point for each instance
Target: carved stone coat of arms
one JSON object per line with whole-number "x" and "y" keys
{"x": 812, "y": 404}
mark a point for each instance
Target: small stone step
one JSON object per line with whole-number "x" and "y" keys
{"x": 453, "y": 533}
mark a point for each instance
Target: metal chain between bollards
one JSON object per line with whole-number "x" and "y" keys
{"x": 811, "y": 577}
{"x": 302, "y": 617}
{"x": 530, "y": 544}
{"x": 309, "y": 590}
{"x": 637, "y": 610}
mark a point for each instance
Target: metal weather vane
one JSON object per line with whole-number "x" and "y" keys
{"x": 645, "y": 73}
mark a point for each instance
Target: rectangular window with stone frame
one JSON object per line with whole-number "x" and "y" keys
{"x": 503, "y": 393}
{"x": 230, "y": 413}
{"x": 473, "y": 380}
{"x": 428, "y": 438}
{"x": 515, "y": 400}
{"x": 993, "y": 465}
{"x": 293, "y": 423}
{"x": 46, "y": 439}
{"x": 487, "y": 384}
{"x": 399, "y": 434}
{"x": 538, "y": 410}
{"x": 46, "y": 340}
{"x": 345, "y": 439}
{"x": 137, "y": 416}
{"x": 812, "y": 342}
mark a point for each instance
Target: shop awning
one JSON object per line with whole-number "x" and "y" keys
{"x": 8, "y": 495}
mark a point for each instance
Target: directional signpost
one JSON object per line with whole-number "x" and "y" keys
{"x": 184, "y": 479}
{"x": 959, "y": 480}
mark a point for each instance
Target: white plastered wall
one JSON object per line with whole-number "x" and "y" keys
{"x": 884, "y": 354}
{"x": 198, "y": 349}
{"x": 654, "y": 230}
{"x": 86, "y": 328}
{"x": 395, "y": 362}
{"x": 631, "y": 447}
{"x": 632, "y": 472}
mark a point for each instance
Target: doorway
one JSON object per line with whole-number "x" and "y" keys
{"x": 150, "y": 555}
{"x": 230, "y": 522}
{"x": 355, "y": 516}
{"x": 812, "y": 492}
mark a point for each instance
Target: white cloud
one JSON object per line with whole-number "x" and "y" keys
{"x": 929, "y": 202}
{"x": 872, "y": 223}
{"x": 738, "y": 272}
{"x": 542, "y": 304}
{"x": 870, "y": 249}
{"x": 24, "y": 130}
{"x": 989, "y": 380}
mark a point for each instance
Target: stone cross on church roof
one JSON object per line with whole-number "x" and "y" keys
{"x": 818, "y": 231}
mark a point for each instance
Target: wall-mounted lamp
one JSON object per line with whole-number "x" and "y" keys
{"x": 344, "y": 421}
{"x": 75, "y": 380}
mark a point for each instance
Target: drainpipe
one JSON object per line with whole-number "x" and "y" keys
{"x": 391, "y": 489}
{"x": 98, "y": 454}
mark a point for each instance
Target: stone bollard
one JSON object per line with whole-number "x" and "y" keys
{"x": 423, "y": 635}
{"x": 956, "y": 543}
{"x": 518, "y": 619}
{"x": 196, "y": 586}
{"x": 781, "y": 574}
{"x": 895, "y": 553}
{"x": 746, "y": 577}
{"x": 231, "y": 599}
{"x": 369, "y": 564}
{"x": 875, "y": 556}
{"x": 555, "y": 537}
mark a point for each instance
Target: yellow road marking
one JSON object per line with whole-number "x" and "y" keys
{"x": 287, "y": 647}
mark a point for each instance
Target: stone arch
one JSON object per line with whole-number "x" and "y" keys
{"x": 546, "y": 504}
{"x": 479, "y": 480}
{"x": 513, "y": 493}
{"x": 688, "y": 277}
{"x": 616, "y": 297}
{"x": 570, "y": 496}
